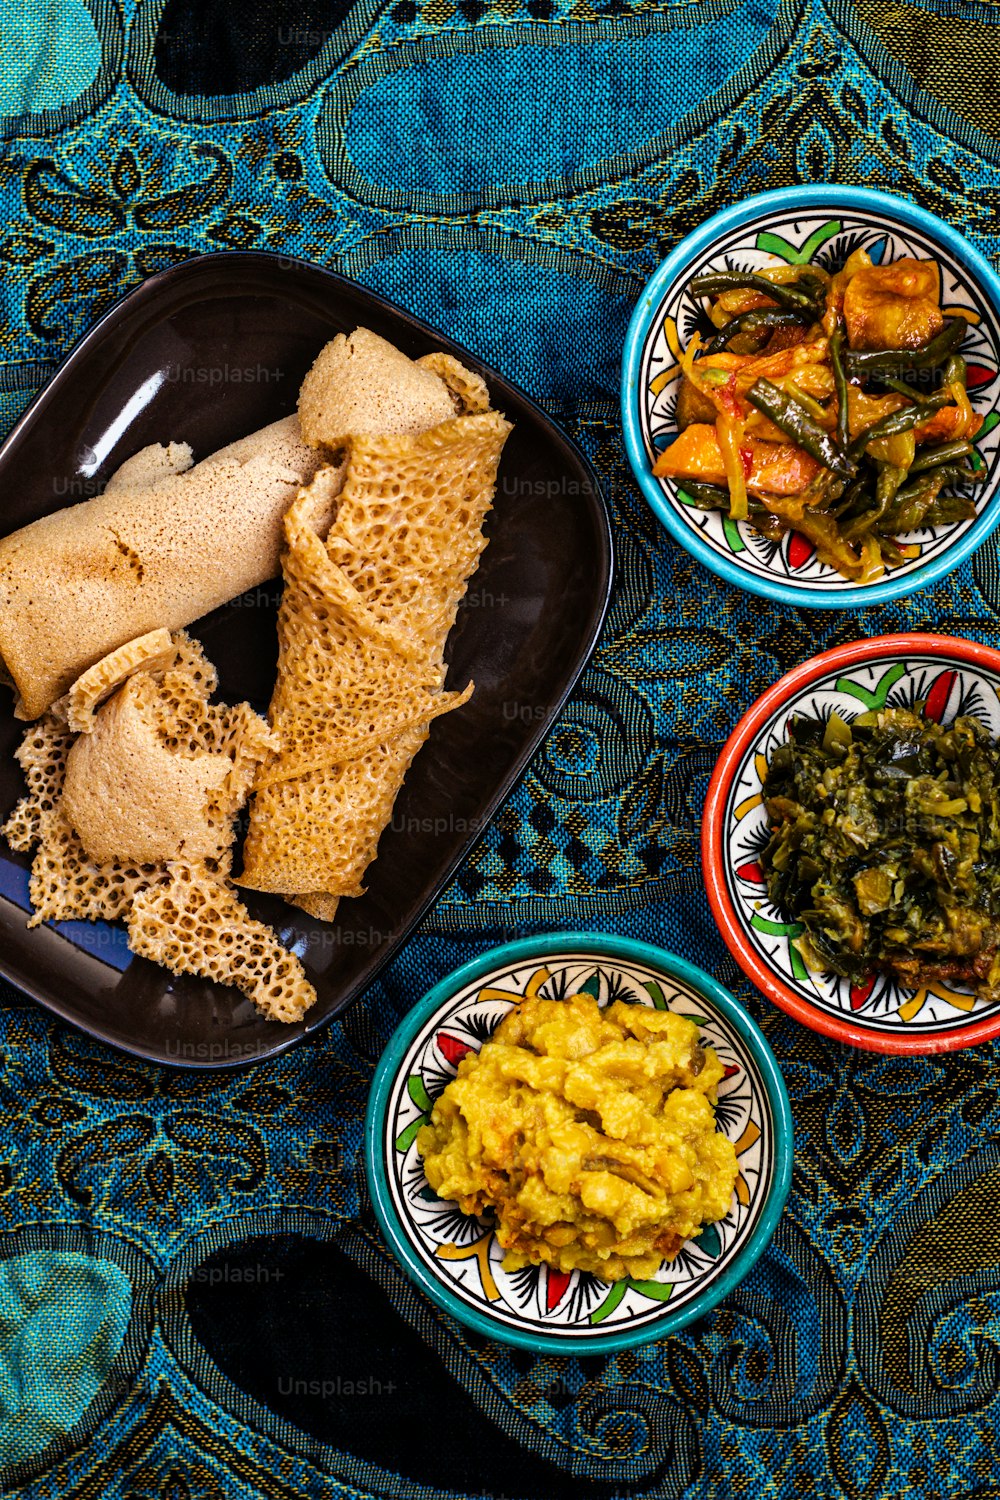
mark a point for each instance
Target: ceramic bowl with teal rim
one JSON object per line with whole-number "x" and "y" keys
{"x": 456, "y": 1259}
{"x": 823, "y": 225}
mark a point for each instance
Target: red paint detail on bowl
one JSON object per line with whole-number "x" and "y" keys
{"x": 556, "y": 1283}
{"x": 800, "y": 550}
{"x": 453, "y": 1049}
{"x": 976, "y": 376}
{"x": 751, "y": 872}
{"x": 937, "y": 698}
{"x": 713, "y": 854}
{"x": 861, "y": 992}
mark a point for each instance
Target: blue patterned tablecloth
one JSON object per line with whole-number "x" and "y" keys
{"x": 194, "y": 1302}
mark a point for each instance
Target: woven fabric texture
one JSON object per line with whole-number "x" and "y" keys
{"x": 194, "y": 1301}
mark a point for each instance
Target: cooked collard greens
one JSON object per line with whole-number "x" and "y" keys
{"x": 885, "y": 846}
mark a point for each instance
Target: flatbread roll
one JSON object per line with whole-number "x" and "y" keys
{"x": 362, "y": 384}
{"x": 365, "y": 614}
{"x": 161, "y": 547}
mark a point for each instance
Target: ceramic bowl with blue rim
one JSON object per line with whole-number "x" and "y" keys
{"x": 948, "y": 676}
{"x": 456, "y": 1259}
{"x": 823, "y": 225}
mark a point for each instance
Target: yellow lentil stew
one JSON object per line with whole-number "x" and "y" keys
{"x": 590, "y": 1133}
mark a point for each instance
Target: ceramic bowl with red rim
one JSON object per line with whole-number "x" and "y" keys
{"x": 949, "y": 677}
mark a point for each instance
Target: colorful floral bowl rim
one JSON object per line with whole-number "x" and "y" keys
{"x": 606, "y": 948}
{"x": 689, "y": 252}
{"x": 716, "y": 834}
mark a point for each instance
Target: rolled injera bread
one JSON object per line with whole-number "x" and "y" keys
{"x": 365, "y": 615}
{"x": 162, "y": 546}
{"x": 360, "y": 384}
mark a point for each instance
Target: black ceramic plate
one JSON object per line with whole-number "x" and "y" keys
{"x": 206, "y": 352}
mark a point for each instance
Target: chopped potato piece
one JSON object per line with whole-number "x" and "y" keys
{"x": 895, "y": 306}
{"x": 773, "y": 468}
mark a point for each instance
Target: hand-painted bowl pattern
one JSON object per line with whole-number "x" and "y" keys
{"x": 881, "y": 1013}
{"x": 463, "y": 1253}
{"x": 825, "y": 235}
